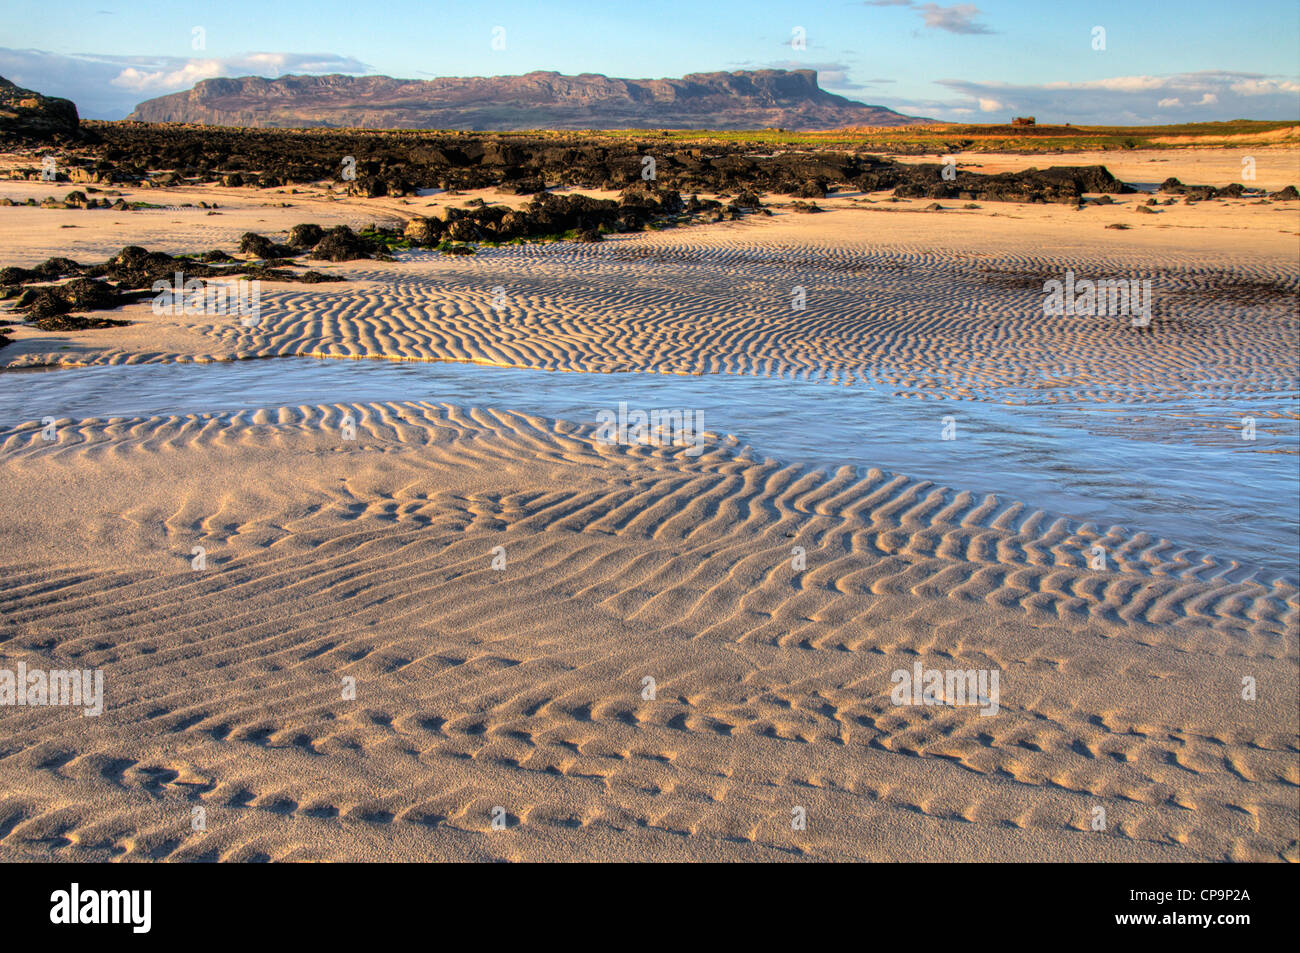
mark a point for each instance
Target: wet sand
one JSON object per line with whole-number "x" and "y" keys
{"x": 771, "y": 605}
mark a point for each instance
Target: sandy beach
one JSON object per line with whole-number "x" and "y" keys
{"x": 423, "y": 632}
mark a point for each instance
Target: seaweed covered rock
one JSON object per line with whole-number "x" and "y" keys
{"x": 259, "y": 246}
{"x": 340, "y": 243}
{"x": 463, "y": 230}
{"x": 422, "y": 231}
{"x": 652, "y": 199}
{"x": 551, "y": 214}
{"x": 1201, "y": 193}
{"x": 49, "y": 305}
{"x": 528, "y": 185}
{"x": 1060, "y": 184}
{"x": 48, "y": 270}
{"x": 306, "y": 235}
{"x": 136, "y": 267}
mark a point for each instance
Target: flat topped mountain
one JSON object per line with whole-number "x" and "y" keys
{"x": 759, "y": 99}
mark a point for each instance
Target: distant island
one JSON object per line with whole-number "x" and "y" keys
{"x": 745, "y": 99}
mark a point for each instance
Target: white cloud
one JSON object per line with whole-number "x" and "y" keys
{"x": 109, "y": 87}
{"x": 958, "y": 18}
{"x": 172, "y": 77}
{"x": 1211, "y": 95}
{"x": 1264, "y": 87}
{"x": 1124, "y": 84}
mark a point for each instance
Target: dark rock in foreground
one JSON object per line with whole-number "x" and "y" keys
{"x": 48, "y": 306}
{"x": 127, "y": 276}
{"x": 250, "y": 243}
{"x": 549, "y": 215}
{"x": 341, "y": 244}
{"x": 1063, "y": 184}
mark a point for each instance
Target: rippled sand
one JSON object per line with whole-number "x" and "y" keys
{"x": 521, "y": 688}
{"x": 935, "y": 303}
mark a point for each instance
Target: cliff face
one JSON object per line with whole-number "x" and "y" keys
{"x": 740, "y": 100}
{"x": 27, "y": 115}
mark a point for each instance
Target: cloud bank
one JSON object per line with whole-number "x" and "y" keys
{"x": 109, "y": 87}
{"x": 1208, "y": 96}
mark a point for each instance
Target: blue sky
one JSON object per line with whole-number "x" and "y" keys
{"x": 1190, "y": 60}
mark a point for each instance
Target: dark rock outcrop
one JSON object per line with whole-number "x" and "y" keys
{"x": 127, "y": 276}
{"x": 29, "y": 117}
{"x": 259, "y": 246}
{"x": 48, "y": 306}
{"x": 305, "y": 235}
{"x": 407, "y": 162}
{"x": 1063, "y": 184}
{"x": 1201, "y": 193}
{"x": 422, "y": 231}
{"x": 340, "y": 243}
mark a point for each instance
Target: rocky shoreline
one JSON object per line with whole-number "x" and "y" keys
{"x": 404, "y": 163}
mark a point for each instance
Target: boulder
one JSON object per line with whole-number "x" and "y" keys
{"x": 523, "y": 186}
{"x": 341, "y": 244}
{"x": 46, "y": 305}
{"x": 251, "y": 243}
{"x": 371, "y": 186}
{"x": 422, "y": 231}
{"x": 306, "y": 235}
{"x": 463, "y": 230}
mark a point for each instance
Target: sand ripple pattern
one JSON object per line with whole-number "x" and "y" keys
{"x": 522, "y": 688}
{"x": 929, "y": 324}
